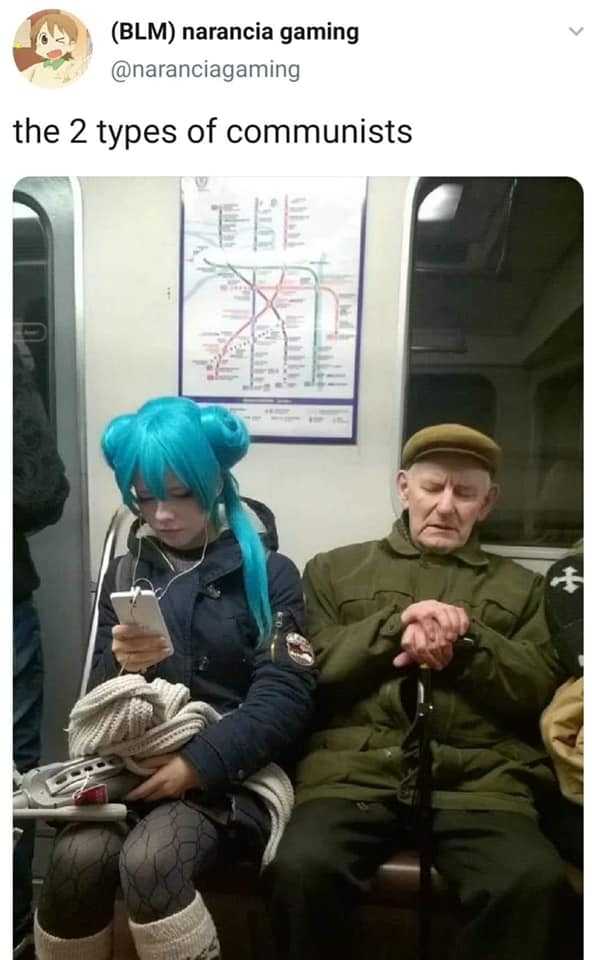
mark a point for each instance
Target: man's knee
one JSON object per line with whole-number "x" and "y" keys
{"x": 304, "y": 867}
{"x": 538, "y": 875}
{"x": 535, "y": 879}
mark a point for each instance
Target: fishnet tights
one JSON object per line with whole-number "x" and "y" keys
{"x": 83, "y": 876}
{"x": 156, "y": 863}
{"x": 161, "y": 858}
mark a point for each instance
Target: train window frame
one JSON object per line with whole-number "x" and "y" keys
{"x": 527, "y": 549}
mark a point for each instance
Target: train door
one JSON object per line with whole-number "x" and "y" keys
{"x": 47, "y": 332}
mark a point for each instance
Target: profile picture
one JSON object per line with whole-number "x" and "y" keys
{"x": 52, "y": 48}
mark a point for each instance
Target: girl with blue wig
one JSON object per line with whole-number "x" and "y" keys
{"x": 211, "y": 558}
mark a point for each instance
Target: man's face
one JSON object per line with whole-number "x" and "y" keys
{"x": 53, "y": 44}
{"x": 446, "y": 495}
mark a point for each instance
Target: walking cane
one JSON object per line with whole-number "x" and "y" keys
{"x": 424, "y": 716}
{"x": 424, "y": 796}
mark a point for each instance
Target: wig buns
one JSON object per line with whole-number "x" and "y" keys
{"x": 115, "y": 436}
{"x": 227, "y": 433}
{"x": 175, "y": 434}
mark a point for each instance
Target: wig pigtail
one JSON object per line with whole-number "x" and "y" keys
{"x": 120, "y": 454}
{"x": 254, "y": 558}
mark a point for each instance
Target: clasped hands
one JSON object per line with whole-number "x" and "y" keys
{"x": 430, "y": 631}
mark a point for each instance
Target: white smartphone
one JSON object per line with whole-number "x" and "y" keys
{"x": 141, "y": 608}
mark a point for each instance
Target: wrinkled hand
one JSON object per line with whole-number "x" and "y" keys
{"x": 425, "y": 643}
{"x": 173, "y": 776}
{"x": 136, "y": 648}
{"x": 453, "y": 621}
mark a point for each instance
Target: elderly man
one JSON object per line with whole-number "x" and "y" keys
{"x": 375, "y": 611}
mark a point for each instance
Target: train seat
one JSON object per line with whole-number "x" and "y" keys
{"x": 395, "y": 884}
{"x": 238, "y": 892}
{"x": 387, "y": 925}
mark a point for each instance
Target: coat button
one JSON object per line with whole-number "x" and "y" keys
{"x": 213, "y": 591}
{"x": 240, "y": 774}
{"x": 203, "y": 663}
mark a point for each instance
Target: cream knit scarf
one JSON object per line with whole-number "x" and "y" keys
{"x": 131, "y": 718}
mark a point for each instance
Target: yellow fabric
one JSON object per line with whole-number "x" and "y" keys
{"x": 562, "y": 728}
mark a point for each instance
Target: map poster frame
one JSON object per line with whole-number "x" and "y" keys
{"x": 270, "y": 312}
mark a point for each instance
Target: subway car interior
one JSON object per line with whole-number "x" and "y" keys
{"x": 409, "y": 302}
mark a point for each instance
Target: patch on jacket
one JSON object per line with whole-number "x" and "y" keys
{"x": 294, "y": 647}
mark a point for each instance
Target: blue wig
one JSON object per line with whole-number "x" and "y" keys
{"x": 199, "y": 445}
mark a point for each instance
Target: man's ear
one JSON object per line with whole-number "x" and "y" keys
{"x": 402, "y": 482}
{"x": 489, "y": 502}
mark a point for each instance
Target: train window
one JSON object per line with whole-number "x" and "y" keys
{"x": 496, "y": 339}
{"x": 31, "y": 326}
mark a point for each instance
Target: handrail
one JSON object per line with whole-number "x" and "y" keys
{"x": 109, "y": 547}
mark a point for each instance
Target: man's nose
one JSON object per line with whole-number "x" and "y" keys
{"x": 446, "y": 501}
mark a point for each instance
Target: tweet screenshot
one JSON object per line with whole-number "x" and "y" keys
{"x": 297, "y": 421}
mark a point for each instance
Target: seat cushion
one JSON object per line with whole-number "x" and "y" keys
{"x": 397, "y": 882}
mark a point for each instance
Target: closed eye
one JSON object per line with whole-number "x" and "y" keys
{"x": 170, "y": 495}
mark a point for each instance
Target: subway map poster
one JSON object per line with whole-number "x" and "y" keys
{"x": 271, "y": 284}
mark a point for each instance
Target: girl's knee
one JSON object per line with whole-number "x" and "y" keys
{"x": 79, "y": 890}
{"x": 155, "y": 879}
{"x": 87, "y": 848}
{"x": 146, "y": 846}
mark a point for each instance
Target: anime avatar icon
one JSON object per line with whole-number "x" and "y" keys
{"x": 52, "y": 48}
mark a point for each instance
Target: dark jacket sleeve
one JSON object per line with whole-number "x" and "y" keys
{"x": 564, "y": 609}
{"x": 349, "y": 656}
{"x": 278, "y": 706}
{"x": 104, "y": 664}
{"x": 40, "y": 486}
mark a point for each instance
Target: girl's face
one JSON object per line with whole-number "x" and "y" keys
{"x": 53, "y": 45}
{"x": 178, "y": 520}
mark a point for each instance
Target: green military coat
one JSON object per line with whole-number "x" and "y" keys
{"x": 486, "y": 747}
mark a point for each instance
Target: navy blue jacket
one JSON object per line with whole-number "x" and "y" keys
{"x": 267, "y": 699}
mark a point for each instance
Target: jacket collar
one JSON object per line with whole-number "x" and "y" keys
{"x": 401, "y": 543}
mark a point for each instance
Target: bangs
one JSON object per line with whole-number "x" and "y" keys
{"x": 163, "y": 452}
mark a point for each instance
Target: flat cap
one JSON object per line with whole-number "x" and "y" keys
{"x": 452, "y": 438}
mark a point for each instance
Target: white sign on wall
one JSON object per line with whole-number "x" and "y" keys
{"x": 270, "y": 324}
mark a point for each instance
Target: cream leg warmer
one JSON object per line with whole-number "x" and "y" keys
{"x": 189, "y": 934}
{"x": 97, "y": 947}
